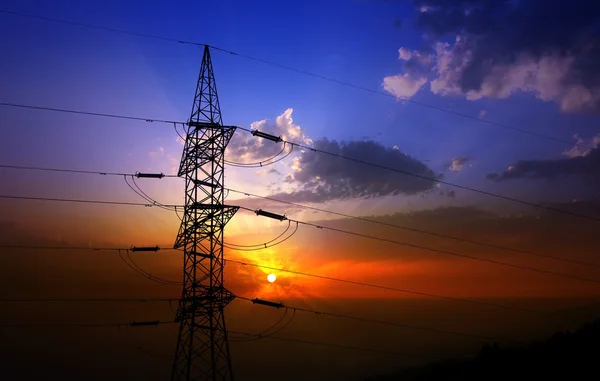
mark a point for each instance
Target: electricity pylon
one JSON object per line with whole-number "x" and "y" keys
{"x": 202, "y": 351}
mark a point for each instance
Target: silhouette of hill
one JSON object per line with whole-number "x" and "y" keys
{"x": 565, "y": 355}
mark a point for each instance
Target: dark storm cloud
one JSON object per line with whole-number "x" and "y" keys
{"x": 483, "y": 48}
{"x": 321, "y": 177}
{"x": 587, "y": 167}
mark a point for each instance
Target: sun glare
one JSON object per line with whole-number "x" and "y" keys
{"x": 271, "y": 278}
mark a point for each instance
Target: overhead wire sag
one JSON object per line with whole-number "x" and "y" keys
{"x": 423, "y": 177}
{"x": 265, "y": 162}
{"x": 440, "y": 251}
{"x": 375, "y": 165}
{"x": 420, "y": 231}
{"x": 264, "y": 245}
{"x": 364, "y": 219}
{"x": 132, "y": 265}
{"x": 324, "y": 277}
{"x": 381, "y": 239}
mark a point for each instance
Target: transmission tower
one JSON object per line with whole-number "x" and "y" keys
{"x": 202, "y": 351}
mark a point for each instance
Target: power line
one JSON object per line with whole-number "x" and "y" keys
{"x": 150, "y": 120}
{"x": 364, "y": 162}
{"x": 23, "y": 167}
{"x": 382, "y": 287}
{"x": 328, "y": 278}
{"x": 367, "y": 320}
{"x": 60, "y": 247}
{"x": 423, "y": 177}
{"x": 328, "y": 344}
{"x": 88, "y": 300}
{"x": 420, "y": 247}
{"x": 316, "y": 312}
{"x": 289, "y": 68}
{"x": 421, "y": 231}
{"x": 440, "y": 251}
{"x": 404, "y": 99}
{"x": 34, "y": 168}
{"x": 86, "y": 325}
{"x": 140, "y": 271}
{"x": 364, "y": 219}
{"x": 82, "y": 201}
{"x": 155, "y": 323}
{"x": 128, "y": 336}
{"x": 336, "y": 230}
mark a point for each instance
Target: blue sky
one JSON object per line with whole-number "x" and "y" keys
{"x": 67, "y": 66}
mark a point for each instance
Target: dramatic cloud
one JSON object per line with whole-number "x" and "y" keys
{"x": 582, "y": 160}
{"x": 458, "y": 163}
{"x": 549, "y": 49}
{"x": 245, "y": 148}
{"x": 318, "y": 177}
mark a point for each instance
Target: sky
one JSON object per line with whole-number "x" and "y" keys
{"x": 502, "y": 97}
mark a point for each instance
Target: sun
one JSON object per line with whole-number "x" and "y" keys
{"x": 271, "y": 278}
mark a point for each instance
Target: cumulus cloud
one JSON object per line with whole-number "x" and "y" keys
{"x": 582, "y": 160}
{"x": 245, "y": 148}
{"x": 403, "y": 85}
{"x": 318, "y": 178}
{"x": 458, "y": 163}
{"x": 498, "y": 48}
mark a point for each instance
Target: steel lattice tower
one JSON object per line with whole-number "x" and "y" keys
{"x": 202, "y": 351}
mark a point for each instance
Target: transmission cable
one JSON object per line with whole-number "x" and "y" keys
{"x": 264, "y": 245}
{"x": 334, "y": 345}
{"x": 248, "y": 194}
{"x": 416, "y": 175}
{"x": 89, "y": 300}
{"x": 86, "y": 325}
{"x": 137, "y": 190}
{"x": 106, "y": 115}
{"x": 289, "y": 68}
{"x": 423, "y": 177}
{"x": 266, "y": 332}
{"x": 265, "y": 162}
{"x": 440, "y": 251}
{"x": 128, "y": 336}
{"x": 328, "y": 278}
{"x": 441, "y": 235}
{"x": 80, "y": 201}
{"x": 132, "y": 265}
{"x": 401, "y": 325}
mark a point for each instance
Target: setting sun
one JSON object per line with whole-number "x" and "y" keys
{"x": 271, "y": 278}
